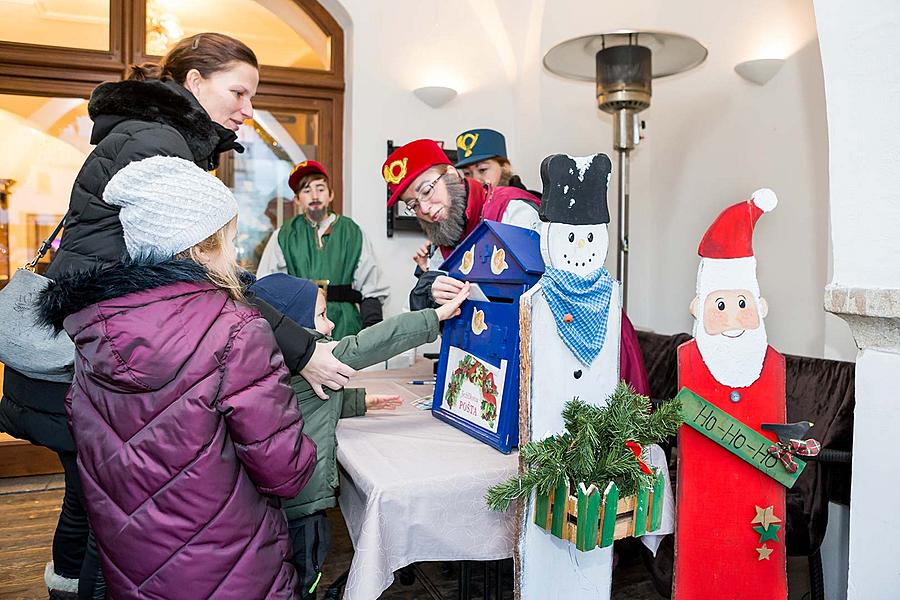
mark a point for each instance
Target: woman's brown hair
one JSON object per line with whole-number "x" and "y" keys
{"x": 207, "y": 52}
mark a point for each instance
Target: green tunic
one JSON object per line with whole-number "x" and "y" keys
{"x": 336, "y": 260}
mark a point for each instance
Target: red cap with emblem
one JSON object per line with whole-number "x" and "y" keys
{"x": 301, "y": 170}
{"x": 408, "y": 162}
{"x": 731, "y": 234}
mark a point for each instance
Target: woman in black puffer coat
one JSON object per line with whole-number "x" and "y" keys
{"x": 189, "y": 106}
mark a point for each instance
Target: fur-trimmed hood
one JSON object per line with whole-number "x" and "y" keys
{"x": 76, "y": 291}
{"x": 160, "y": 101}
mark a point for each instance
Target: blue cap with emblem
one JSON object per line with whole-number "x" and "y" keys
{"x": 476, "y": 145}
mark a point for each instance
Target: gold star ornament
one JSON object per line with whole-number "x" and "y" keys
{"x": 764, "y": 552}
{"x": 765, "y": 516}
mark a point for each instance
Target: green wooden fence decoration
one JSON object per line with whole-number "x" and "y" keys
{"x": 659, "y": 486}
{"x": 582, "y": 527}
{"x": 596, "y": 513}
{"x": 593, "y": 519}
{"x": 735, "y": 436}
{"x": 559, "y": 508}
{"x": 610, "y": 504}
{"x": 541, "y": 508}
{"x": 588, "y": 519}
{"x": 640, "y": 511}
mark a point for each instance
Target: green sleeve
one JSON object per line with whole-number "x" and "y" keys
{"x": 389, "y": 338}
{"x": 354, "y": 404}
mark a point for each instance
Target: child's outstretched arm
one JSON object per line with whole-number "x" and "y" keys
{"x": 395, "y": 335}
{"x": 382, "y": 402}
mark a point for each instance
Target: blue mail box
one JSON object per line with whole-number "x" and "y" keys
{"x": 477, "y": 384}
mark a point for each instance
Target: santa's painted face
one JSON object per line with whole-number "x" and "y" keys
{"x": 580, "y": 249}
{"x": 731, "y": 335}
{"x": 730, "y": 312}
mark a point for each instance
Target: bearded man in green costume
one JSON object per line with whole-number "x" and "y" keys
{"x": 329, "y": 249}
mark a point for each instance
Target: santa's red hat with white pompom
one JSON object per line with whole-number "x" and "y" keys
{"x": 727, "y": 247}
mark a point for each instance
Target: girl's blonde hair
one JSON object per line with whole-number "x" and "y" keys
{"x": 227, "y": 278}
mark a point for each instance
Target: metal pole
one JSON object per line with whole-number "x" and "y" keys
{"x": 622, "y": 256}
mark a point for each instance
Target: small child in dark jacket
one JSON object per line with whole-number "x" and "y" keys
{"x": 302, "y": 301}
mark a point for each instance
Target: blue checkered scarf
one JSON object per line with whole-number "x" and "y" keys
{"x": 587, "y": 300}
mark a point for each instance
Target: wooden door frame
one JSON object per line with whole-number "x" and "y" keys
{"x": 37, "y": 70}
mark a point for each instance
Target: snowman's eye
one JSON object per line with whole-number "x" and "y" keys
{"x": 571, "y": 237}
{"x": 590, "y": 237}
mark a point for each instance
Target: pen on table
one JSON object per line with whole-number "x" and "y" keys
{"x": 421, "y": 382}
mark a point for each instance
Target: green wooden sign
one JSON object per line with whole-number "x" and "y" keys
{"x": 734, "y": 436}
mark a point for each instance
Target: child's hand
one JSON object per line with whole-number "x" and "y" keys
{"x": 451, "y": 307}
{"x": 444, "y": 289}
{"x": 382, "y": 402}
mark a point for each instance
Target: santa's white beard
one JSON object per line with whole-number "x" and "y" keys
{"x": 735, "y": 362}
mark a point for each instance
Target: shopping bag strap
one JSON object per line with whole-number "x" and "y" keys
{"x": 45, "y": 246}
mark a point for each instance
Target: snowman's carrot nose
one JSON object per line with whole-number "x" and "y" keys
{"x": 580, "y": 243}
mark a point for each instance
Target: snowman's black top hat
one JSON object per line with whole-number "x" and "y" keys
{"x": 575, "y": 189}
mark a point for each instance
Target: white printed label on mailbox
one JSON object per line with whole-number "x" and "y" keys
{"x": 473, "y": 389}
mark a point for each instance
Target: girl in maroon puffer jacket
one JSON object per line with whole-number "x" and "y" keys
{"x": 181, "y": 408}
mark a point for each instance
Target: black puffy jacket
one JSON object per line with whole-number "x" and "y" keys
{"x": 133, "y": 120}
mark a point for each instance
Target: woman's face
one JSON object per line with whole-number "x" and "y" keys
{"x": 226, "y": 94}
{"x": 486, "y": 171}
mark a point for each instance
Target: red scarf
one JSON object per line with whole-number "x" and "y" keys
{"x": 487, "y": 203}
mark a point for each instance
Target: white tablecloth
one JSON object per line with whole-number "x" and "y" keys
{"x": 412, "y": 489}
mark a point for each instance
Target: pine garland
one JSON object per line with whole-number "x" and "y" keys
{"x": 592, "y": 449}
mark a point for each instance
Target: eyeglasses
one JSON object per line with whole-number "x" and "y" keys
{"x": 427, "y": 191}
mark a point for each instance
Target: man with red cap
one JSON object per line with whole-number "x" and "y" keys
{"x": 729, "y": 536}
{"x": 330, "y": 249}
{"x": 448, "y": 206}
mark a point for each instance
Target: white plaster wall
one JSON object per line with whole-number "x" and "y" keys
{"x": 861, "y": 51}
{"x": 860, "y": 47}
{"x": 874, "y": 527}
{"x": 711, "y": 139}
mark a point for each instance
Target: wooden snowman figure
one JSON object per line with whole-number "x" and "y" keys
{"x": 570, "y": 330}
{"x": 729, "y": 538}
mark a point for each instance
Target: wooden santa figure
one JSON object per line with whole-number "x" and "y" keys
{"x": 570, "y": 327}
{"x": 729, "y": 537}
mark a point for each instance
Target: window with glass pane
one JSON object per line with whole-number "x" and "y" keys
{"x": 44, "y": 144}
{"x": 279, "y": 31}
{"x": 80, "y": 24}
{"x": 274, "y": 141}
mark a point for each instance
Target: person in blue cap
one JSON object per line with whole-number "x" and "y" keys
{"x": 481, "y": 154}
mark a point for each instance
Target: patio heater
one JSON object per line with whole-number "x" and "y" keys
{"x": 622, "y": 64}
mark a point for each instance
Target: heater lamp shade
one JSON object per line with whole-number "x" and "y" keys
{"x": 672, "y": 53}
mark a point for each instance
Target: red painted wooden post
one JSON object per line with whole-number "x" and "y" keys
{"x": 721, "y": 498}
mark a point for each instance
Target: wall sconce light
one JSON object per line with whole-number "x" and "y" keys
{"x": 759, "y": 71}
{"x": 435, "y": 96}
